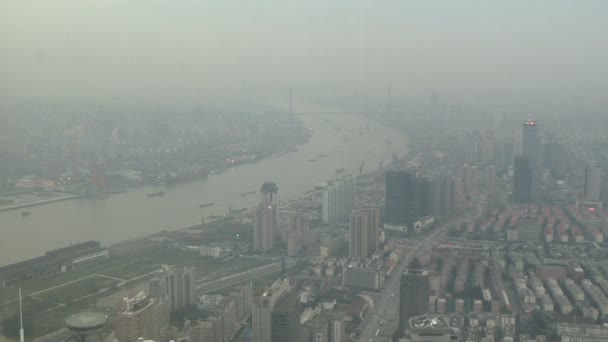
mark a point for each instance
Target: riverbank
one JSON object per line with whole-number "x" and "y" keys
{"x": 132, "y": 214}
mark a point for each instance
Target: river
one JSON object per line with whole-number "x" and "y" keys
{"x": 132, "y": 214}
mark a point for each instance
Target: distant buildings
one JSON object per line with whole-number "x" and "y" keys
{"x": 522, "y": 180}
{"x": 333, "y": 246}
{"x": 414, "y": 294}
{"x": 298, "y": 233}
{"x": 363, "y": 277}
{"x": 592, "y": 182}
{"x": 528, "y": 229}
{"x": 265, "y": 226}
{"x": 592, "y": 187}
{"x": 338, "y": 200}
{"x": 432, "y": 328}
{"x": 137, "y": 317}
{"x": 226, "y": 315}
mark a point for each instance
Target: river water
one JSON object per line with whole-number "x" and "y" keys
{"x": 132, "y": 214}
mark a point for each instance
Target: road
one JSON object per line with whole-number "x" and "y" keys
{"x": 242, "y": 277}
{"x": 385, "y": 315}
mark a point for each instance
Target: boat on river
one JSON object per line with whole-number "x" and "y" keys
{"x": 207, "y": 205}
{"x": 156, "y": 194}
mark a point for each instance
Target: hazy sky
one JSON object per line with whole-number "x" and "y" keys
{"x": 189, "y": 51}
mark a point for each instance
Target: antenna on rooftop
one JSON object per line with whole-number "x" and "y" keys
{"x": 21, "y": 333}
{"x": 290, "y": 101}
{"x": 283, "y": 266}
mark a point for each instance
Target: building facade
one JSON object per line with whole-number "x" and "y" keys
{"x": 413, "y": 294}
{"x": 265, "y": 225}
{"x": 137, "y": 317}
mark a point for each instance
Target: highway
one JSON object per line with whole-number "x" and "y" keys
{"x": 239, "y": 278}
{"x": 385, "y": 313}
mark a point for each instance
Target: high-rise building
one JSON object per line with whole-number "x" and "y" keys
{"x": 522, "y": 180}
{"x": 359, "y": 234}
{"x": 531, "y": 147}
{"x": 374, "y": 228}
{"x": 490, "y": 179}
{"x": 338, "y": 200}
{"x": 364, "y": 230}
{"x": 285, "y": 319}
{"x": 443, "y": 197}
{"x": 425, "y": 187}
{"x": 337, "y": 328}
{"x": 137, "y": 317}
{"x": 508, "y": 153}
{"x": 470, "y": 177}
{"x": 263, "y": 305}
{"x": 174, "y": 288}
{"x": 414, "y": 294}
{"x": 593, "y": 183}
{"x": 401, "y": 203}
{"x": 265, "y": 226}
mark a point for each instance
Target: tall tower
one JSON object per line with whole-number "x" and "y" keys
{"x": 21, "y": 332}
{"x": 592, "y": 182}
{"x": 263, "y": 307}
{"x": 413, "y": 294}
{"x": 285, "y": 319}
{"x": 531, "y": 148}
{"x": 389, "y": 106}
{"x": 290, "y": 102}
{"x": 522, "y": 180}
{"x": 266, "y": 221}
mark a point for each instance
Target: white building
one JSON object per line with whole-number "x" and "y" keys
{"x": 338, "y": 200}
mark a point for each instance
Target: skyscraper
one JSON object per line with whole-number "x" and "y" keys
{"x": 285, "y": 319}
{"x": 137, "y": 317}
{"x": 593, "y": 183}
{"x": 531, "y": 147}
{"x": 414, "y": 294}
{"x": 265, "y": 227}
{"x": 402, "y": 205}
{"x": 522, "y": 180}
{"x": 263, "y": 305}
{"x": 363, "y": 234}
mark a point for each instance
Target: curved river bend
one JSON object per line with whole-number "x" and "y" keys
{"x": 347, "y": 140}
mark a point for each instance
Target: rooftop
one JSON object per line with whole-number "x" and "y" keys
{"x": 428, "y": 322}
{"x": 86, "y": 320}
